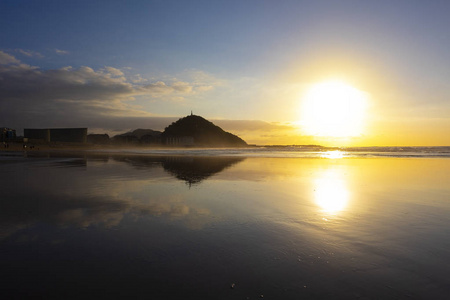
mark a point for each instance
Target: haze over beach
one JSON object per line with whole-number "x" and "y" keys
{"x": 248, "y": 66}
{"x": 224, "y": 149}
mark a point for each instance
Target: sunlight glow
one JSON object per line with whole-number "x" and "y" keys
{"x": 331, "y": 193}
{"x": 334, "y": 109}
{"x": 333, "y": 154}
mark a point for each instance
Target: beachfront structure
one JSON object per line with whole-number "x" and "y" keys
{"x": 66, "y": 135}
{"x": 7, "y": 134}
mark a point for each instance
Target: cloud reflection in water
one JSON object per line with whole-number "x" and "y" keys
{"x": 96, "y": 190}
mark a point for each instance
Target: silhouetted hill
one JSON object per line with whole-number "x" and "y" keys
{"x": 138, "y": 136}
{"x": 139, "y": 133}
{"x": 203, "y": 132}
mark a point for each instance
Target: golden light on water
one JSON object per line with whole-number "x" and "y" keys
{"x": 334, "y": 109}
{"x": 331, "y": 193}
{"x": 333, "y": 154}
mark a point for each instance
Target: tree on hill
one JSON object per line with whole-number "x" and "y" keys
{"x": 203, "y": 132}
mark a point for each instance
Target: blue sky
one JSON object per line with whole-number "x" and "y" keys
{"x": 134, "y": 61}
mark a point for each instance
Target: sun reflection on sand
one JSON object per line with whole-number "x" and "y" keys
{"x": 330, "y": 192}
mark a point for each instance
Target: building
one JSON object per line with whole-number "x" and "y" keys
{"x": 37, "y": 134}
{"x": 65, "y": 135}
{"x": 7, "y": 134}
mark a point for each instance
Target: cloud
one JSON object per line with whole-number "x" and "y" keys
{"x": 251, "y": 125}
{"x": 30, "y": 95}
{"x": 262, "y": 133}
{"x": 137, "y": 78}
{"x": 160, "y": 88}
{"x": 203, "y": 81}
{"x": 61, "y": 52}
{"x": 6, "y": 59}
{"x": 204, "y": 88}
{"x": 22, "y": 82}
{"x": 114, "y": 71}
{"x": 30, "y": 53}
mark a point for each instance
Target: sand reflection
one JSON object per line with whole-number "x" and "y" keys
{"x": 330, "y": 192}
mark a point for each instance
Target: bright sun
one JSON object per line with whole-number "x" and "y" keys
{"x": 334, "y": 109}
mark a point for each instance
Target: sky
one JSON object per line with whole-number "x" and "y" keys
{"x": 114, "y": 66}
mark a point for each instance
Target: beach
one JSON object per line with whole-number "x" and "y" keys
{"x": 230, "y": 226}
{"x": 225, "y": 150}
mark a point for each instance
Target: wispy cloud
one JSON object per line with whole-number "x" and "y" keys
{"x": 29, "y": 53}
{"x": 113, "y": 71}
{"x": 61, "y": 52}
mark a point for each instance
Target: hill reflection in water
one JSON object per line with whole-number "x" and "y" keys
{"x": 191, "y": 169}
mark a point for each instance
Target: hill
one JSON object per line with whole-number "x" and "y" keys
{"x": 203, "y": 132}
{"x": 139, "y": 133}
{"x": 139, "y": 136}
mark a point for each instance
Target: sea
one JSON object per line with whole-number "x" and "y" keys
{"x": 272, "y": 222}
{"x": 296, "y": 151}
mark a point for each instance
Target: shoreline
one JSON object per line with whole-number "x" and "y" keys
{"x": 77, "y": 149}
{"x": 305, "y": 151}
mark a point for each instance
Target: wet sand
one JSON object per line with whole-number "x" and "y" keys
{"x": 224, "y": 228}
{"x": 12, "y": 146}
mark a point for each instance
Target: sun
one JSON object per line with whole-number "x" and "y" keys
{"x": 334, "y": 109}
